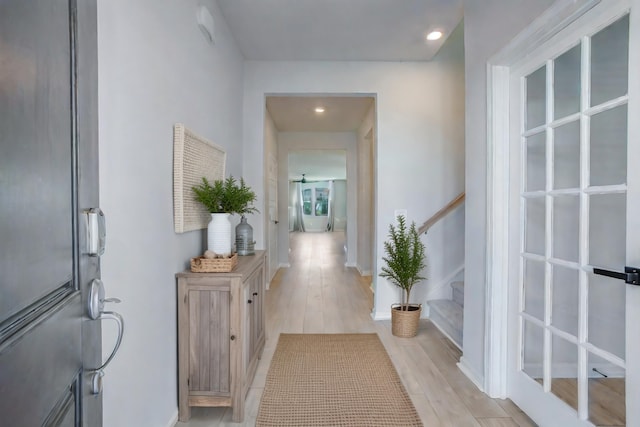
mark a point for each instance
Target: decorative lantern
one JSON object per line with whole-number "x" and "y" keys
{"x": 244, "y": 238}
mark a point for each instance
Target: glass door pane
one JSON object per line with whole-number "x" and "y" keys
{"x": 608, "y": 149}
{"x": 566, "y": 156}
{"x": 610, "y": 62}
{"x": 536, "y": 153}
{"x": 606, "y": 392}
{"x": 536, "y": 84}
{"x": 565, "y": 299}
{"x": 566, "y": 77}
{"x": 564, "y": 371}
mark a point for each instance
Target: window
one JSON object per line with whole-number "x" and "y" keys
{"x": 315, "y": 201}
{"x": 306, "y": 201}
{"x": 322, "y": 201}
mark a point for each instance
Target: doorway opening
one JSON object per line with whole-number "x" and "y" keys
{"x": 317, "y": 135}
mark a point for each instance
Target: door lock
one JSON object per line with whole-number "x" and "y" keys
{"x": 96, "y": 231}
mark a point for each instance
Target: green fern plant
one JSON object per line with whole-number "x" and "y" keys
{"x": 404, "y": 258}
{"x": 226, "y": 196}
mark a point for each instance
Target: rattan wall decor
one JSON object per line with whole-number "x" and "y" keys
{"x": 194, "y": 157}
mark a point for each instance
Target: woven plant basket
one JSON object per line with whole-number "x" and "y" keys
{"x": 404, "y": 324}
{"x": 214, "y": 265}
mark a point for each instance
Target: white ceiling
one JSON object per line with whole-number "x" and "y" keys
{"x": 317, "y": 165}
{"x": 296, "y": 113}
{"x": 339, "y": 30}
{"x": 334, "y": 30}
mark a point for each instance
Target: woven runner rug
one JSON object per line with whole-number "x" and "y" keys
{"x": 334, "y": 380}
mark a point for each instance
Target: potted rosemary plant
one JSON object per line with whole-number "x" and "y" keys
{"x": 226, "y": 196}
{"x": 404, "y": 263}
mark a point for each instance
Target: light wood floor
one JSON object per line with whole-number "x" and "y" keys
{"x": 317, "y": 294}
{"x": 606, "y": 399}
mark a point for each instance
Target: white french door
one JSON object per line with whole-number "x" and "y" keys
{"x": 574, "y": 206}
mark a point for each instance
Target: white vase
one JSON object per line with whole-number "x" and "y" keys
{"x": 219, "y": 234}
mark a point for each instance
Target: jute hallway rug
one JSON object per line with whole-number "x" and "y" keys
{"x": 334, "y": 380}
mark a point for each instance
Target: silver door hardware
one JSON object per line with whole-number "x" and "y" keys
{"x": 97, "y": 299}
{"x": 630, "y": 276}
{"x": 96, "y": 382}
{"x": 96, "y": 312}
{"x": 96, "y": 231}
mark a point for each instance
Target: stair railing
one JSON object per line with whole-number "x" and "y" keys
{"x": 452, "y": 205}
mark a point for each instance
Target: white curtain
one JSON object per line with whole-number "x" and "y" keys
{"x": 331, "y": 212}
{"x": 298, "y": 224}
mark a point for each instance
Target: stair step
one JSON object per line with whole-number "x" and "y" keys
{"x": 458, "y": 292}
{"x": 447, "y": 315}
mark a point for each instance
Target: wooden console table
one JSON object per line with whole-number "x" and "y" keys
{"x": 221, "y": 335}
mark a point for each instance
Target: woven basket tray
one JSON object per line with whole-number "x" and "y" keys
{"x": 214, "y": 265}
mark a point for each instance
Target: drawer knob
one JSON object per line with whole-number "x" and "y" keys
{"x": 249, "y": 301}
{"x": 255, "y": 294}
{"x": 233, "y": 337}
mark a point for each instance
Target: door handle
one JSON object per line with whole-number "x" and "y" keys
{"x": 98, "y": 373}
{"x": 96, "y": 312}
{"x": 630, "y": 276}
{"x": 112, "y": 315}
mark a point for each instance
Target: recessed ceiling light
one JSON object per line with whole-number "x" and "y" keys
{"x": 434, "y": 35}
{"x": 319, "y": 110}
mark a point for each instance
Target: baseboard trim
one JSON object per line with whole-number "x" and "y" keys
{"x": 284, "y": 265}
{"x": 426, "y": 311}
{"x": 463, "y": 365}
{"x": 363, "y": 272}
{"x": 381, "y": 315}
{"x": 174, "y": 419}
{"x": 445, "y": 334}
{"x": 350, "y": 264}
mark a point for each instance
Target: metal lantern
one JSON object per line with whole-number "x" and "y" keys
{"x": 244, "y": 238}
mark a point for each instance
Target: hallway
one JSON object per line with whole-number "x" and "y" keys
{"x": 317, "y": 294}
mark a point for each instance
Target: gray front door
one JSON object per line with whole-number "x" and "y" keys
{"x": 48, "y": 178}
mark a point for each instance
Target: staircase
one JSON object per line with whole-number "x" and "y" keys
{"x": 447, "y": 314}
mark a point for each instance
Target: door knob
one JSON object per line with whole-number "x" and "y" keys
{"x": 630, "y": 276}
{"x": 97, "y": 299}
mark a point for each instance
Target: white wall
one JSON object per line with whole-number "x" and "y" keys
{"x": 271, "y": 214}
{"x": 366, "y": 186}
{"x": 419, "y": 141}
{"x": 489, "y": 25}
{"x": 445, "y": 240}
{"x": 295, "y": 141}
{"x": 155, "y": 69}
{"x": 340, "y": 204}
